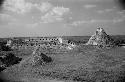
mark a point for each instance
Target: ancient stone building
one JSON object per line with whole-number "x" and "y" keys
{"x": 43, "y": 39}
{"x": 43, "y": 42}
{"x": 100, "y": 38}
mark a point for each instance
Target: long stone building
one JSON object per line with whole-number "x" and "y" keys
{"x": 43, "y": 39}
{"x": 31, "y": 42}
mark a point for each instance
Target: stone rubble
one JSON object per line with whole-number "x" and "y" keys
{"x": 39, "y": 58}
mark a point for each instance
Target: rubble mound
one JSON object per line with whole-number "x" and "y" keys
{"x": 101, "y": 39}
{"x": 39, "y": 58}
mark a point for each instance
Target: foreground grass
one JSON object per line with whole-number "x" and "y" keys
{"x": 83, "y": 64}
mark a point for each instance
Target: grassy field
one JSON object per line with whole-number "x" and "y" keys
{"x": 82, "y": 64}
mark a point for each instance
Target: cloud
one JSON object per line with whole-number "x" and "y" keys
{"x": 118, "y": 20}
{"x": 44, "y": 6}
{"x": 100, "y": 11}
{"x": 92, "y": 21}
{"x": 49, "y": 13}
{"x": 79, "y": 0}
{"x": 76, "y": 23}
{"x": 6, "y": 17}
{"x": 105, "y": 10}
{"x": 89, "y": 6}
{"x": 55, "y": 14}
{"x": 21, "y": 6}
{"x": 18, "y": 6}
{"x": 121, "y": 13}
{"x": 120, "y": 16}
{"x": 100, "y": 21}
{"x": 32, "y": 25}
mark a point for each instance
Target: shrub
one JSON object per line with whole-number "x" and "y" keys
{"x": 10, "y": 59}
{"x": 3, "y": 47}
{"x": 46, "y": 58}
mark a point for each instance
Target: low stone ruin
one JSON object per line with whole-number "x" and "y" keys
{"x": 101, "y": 39}
{"x": 39, "y": 58}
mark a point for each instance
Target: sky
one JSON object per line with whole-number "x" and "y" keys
{"x": 24, "y": 18}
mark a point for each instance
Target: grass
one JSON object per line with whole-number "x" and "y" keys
{"x": 83, "y": 64}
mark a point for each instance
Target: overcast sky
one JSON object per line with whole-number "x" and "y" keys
{"x": 60, "y": 17}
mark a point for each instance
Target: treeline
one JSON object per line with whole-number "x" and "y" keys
{"x": 119, "y": 41}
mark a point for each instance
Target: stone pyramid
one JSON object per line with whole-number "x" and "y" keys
{"x": 100, "y": 38}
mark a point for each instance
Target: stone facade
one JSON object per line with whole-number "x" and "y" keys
{"x": 43, "y": 39}
{"x": 43, "y": 42}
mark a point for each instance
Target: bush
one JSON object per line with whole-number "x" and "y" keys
{"x": 46, "y": 58}
{"x": 3, "y": 47}
{"x": 10, "y": 59}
